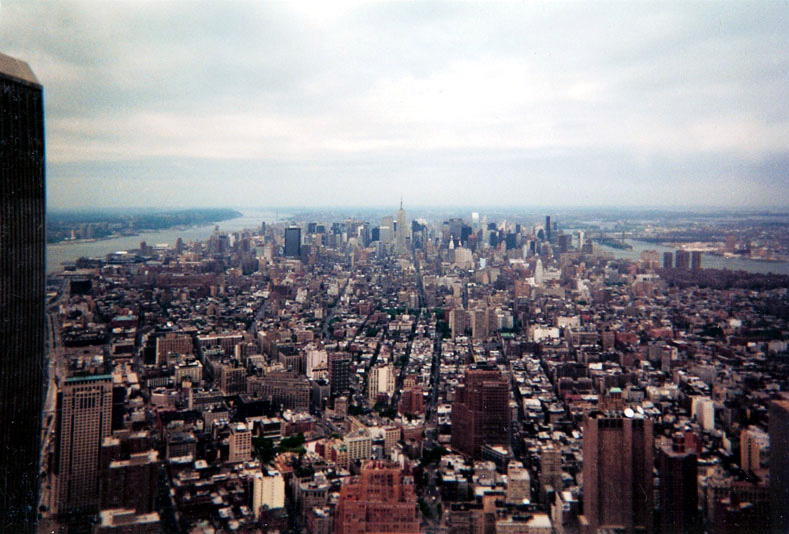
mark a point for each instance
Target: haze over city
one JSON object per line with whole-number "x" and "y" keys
{"x": 239, "y": 104}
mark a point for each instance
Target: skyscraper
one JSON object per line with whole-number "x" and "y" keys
{"x": 778, "y": 427}
{"x": 617, "y": 472}
{"x": 548, "y": 228}
{"x": 402, "y": 228}
{"x": 386, "y": 230}
{"x": 480, "y": 413}
{"x": 293, "y": 242}
{"x": 677, "y": 467}
{"x": 84, "y": 420}
{"x": 381, "y": 499}
{"x": 22, "y": 276}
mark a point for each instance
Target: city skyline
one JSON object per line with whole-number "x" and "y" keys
{"x": 577, "y": 321}
{"x": 315, "y": 375}
{"x": 196, "y": 104}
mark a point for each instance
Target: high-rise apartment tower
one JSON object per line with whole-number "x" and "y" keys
{"x": 682, "y": 259}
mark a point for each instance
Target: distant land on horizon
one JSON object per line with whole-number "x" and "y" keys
{"x": 84, "y": 214}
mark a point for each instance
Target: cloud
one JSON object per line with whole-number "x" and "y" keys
{"x": 511, "y": 101}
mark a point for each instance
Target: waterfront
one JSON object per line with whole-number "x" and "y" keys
{"x": 708, "y": 260}
{"x": 67, "y": 252}
{"x": 58, "y": 253}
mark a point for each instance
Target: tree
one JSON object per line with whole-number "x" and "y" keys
{"x": 293, "y": 444}
{"x": 264, "y": 449}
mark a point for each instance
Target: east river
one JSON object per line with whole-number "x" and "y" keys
{"x": 708, "y": 261}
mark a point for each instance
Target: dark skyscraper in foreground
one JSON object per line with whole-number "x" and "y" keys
{"x": 778, "y": 427}
{"x": 22, "y": 241}
{"x": 679, "y": 500}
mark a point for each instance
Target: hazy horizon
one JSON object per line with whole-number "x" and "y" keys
{"x": 481, "y": 209}
{"x": 315, "y": 105}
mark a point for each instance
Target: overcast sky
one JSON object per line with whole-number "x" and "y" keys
{"x": 344, "y": 103}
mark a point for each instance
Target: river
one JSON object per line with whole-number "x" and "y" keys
{"x": 57, "y": 253}
{"x": 708, "y": 261}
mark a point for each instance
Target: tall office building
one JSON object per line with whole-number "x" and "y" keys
{"x": 677, "y": 467}
{"x": 778, "y": 428}
{"x": 381, "y": 499}
{"x": 548, "y": 228}
{"x": 564, "y": 243}
{"x": 480, "y": 412}
{"x": 402, "y": 227}
{"x": 293, "y": 242}
{"x": 84, "y": 420}
{"x": 617, "y": 472}
{"x": 22, "y": 277}
{"x": 386, "y": 230}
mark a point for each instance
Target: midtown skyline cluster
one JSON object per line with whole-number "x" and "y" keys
{"x": 301, "y": 104}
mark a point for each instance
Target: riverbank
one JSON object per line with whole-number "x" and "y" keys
{"x": 71, "y": 251}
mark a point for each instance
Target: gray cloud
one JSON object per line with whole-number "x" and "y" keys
{"x": 243, "y": 103}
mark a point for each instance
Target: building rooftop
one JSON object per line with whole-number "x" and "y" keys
{"x": 18, "y": 69}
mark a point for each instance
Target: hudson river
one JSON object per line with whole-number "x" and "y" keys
{"x": 57, "y": 253}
